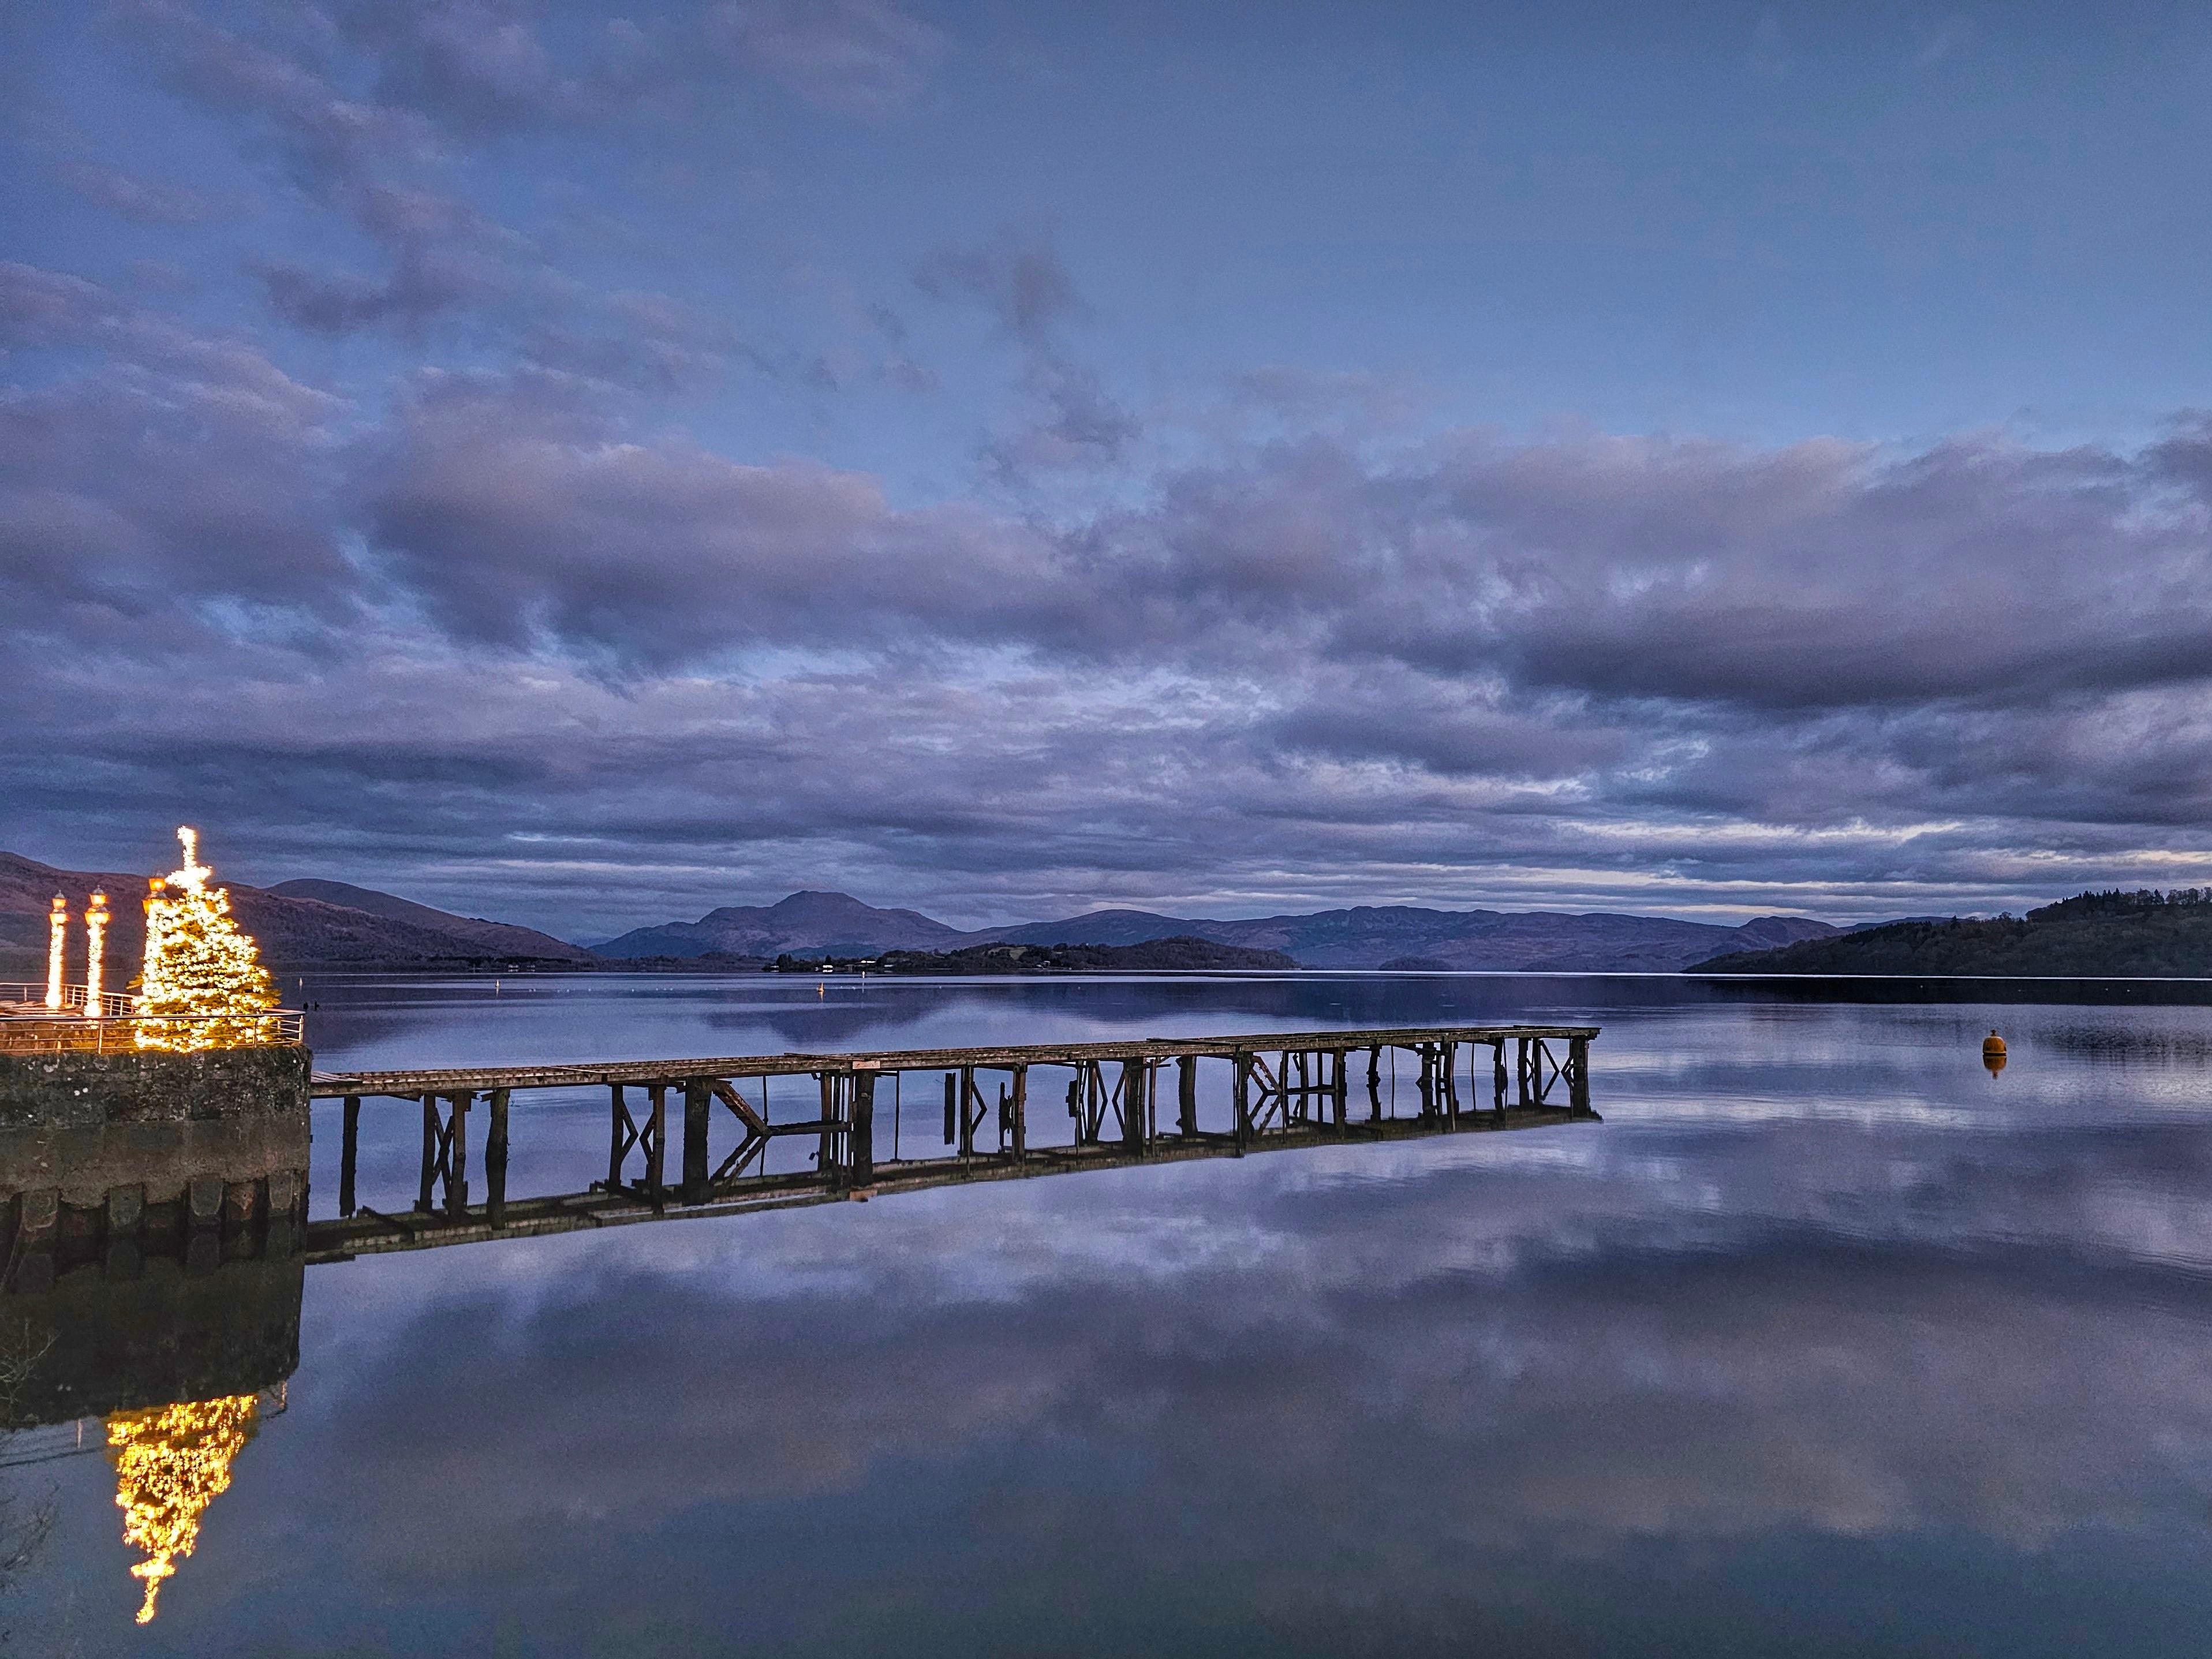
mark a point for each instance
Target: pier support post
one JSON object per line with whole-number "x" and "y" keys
{"x": 1136, "y": 1075}
{"x": 349, "y": 1154}
{"x": 1341, "y": 1087}
{"x": 952, "y": 1107}
{"x": 496, "y": 1161}
{"x": 1019, "y": 1106}
{"x": 825, "y": 1154}
{"x": 698, "y": 1103}
{"x": 1497, "y": 1073}
{"x": 1578, "y": 1073}
{"x": 656, "y": 1167}
{"x": 1428, "y": 1084}
{"x": 861, "y": 1133}
{"x": 1450, "y": 1064}
{"x": 457, "y": 1156}
{"x": 1243, "y": 1134}
{"x": 1187, "y": 1095}
{"x": 428, "y": 1187}
{"x": 1520, "y": 1070}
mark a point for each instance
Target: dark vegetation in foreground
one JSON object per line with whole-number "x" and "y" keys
{"x": 2115, "y": 935}
{"x": 1159, "y": 955}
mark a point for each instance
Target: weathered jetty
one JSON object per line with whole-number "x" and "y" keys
{"x": 122, "y": 1158}
{"x": 155, "y": 1219}
{"x": 1229, "y": 1096}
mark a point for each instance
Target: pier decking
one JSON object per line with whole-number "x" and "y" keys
{"x": 1270, "y": 1090}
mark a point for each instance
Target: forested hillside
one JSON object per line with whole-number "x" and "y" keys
{"x": 2145, "y": 934}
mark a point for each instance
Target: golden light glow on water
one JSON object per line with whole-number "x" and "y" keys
{"x": 198, "y": 961}
{"x": 57, "y": 942}
{"x": 171, "y": 1462}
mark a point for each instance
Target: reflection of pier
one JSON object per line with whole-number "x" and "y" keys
{"x": 1230, "y": 1096}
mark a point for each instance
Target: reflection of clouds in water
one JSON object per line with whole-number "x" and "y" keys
{"x": 1818, "y": 1281}
{"x": 1488, "y": 1348}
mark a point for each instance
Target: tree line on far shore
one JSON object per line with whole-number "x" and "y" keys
{"x": 2141, "y": 933}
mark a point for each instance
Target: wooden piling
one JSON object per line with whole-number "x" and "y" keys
{"x": 457, "y": 1154}
{"x": 430, "y": 1184}
{"x": 1135, "y": 1075}
{"x": 496, "y": 1161}
{"x": 349, "y": 1154}
{"x": 833, "y": 1093}
{"x": 1244, "y": 1128}
{"x": 698, "y": 1102}
{"x": 860, "y": 1132}
{"x": 656, "y": 1143}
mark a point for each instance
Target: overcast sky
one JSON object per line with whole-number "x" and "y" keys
{"x": 583, "y": 468}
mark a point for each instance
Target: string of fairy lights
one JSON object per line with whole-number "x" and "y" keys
{"x": 201, "y": 984}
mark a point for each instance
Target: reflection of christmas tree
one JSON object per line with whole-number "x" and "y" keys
{"x": 170, "y": 1464}
{"x": 198, "y": 962}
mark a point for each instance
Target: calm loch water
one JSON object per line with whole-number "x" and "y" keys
{"x": 1824, "y": 1341}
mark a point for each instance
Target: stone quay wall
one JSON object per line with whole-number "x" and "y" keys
{"x": 151, "y": 1085}
{"x": 110, "y": 1159}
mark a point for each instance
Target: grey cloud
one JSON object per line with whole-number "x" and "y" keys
{"x": 446, "y": 256}
{"x": 863, "y": 57}
{"x": 334, "y": 142}
{"x": 511, "y": 531}
{"x": 1020, "y": 279}
{"x": 172, "y": 492}
{"x": 477, "y": 65}
{"x": 1081, "y": 426}
{"x": 148, "y": 201}
{"x": 1018, "y": 276}
{"x": 1446, "y": 727}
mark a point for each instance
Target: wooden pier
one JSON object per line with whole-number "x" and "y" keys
{"x": 1231, "y": 1095}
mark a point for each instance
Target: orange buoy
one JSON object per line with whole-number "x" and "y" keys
{"x": 1993, "y": 1053}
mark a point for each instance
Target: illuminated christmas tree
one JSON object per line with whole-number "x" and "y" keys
{"x": 198, "y": 962}
{"x": 171, "y": 1463}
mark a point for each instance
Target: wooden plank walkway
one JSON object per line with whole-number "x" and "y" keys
{"x": 414, "y": 1084}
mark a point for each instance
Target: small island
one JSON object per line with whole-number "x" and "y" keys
{"x": 1159, "y": 955}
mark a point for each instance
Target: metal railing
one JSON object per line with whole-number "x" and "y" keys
{"x": 113, "y": 1003}
{"x": 27, "y": 1026}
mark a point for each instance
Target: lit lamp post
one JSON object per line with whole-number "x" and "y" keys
{"x": 96, "y": 934}
{"x": 57, "y": 939}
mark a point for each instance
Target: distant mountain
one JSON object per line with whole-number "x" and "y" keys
{"x": 294, "y": 929}
{"x": 819, "y": 924}
{"x": 482, "y": 938}
{"x": 2139, "y": 935}
{"x": 834, "y": 924}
